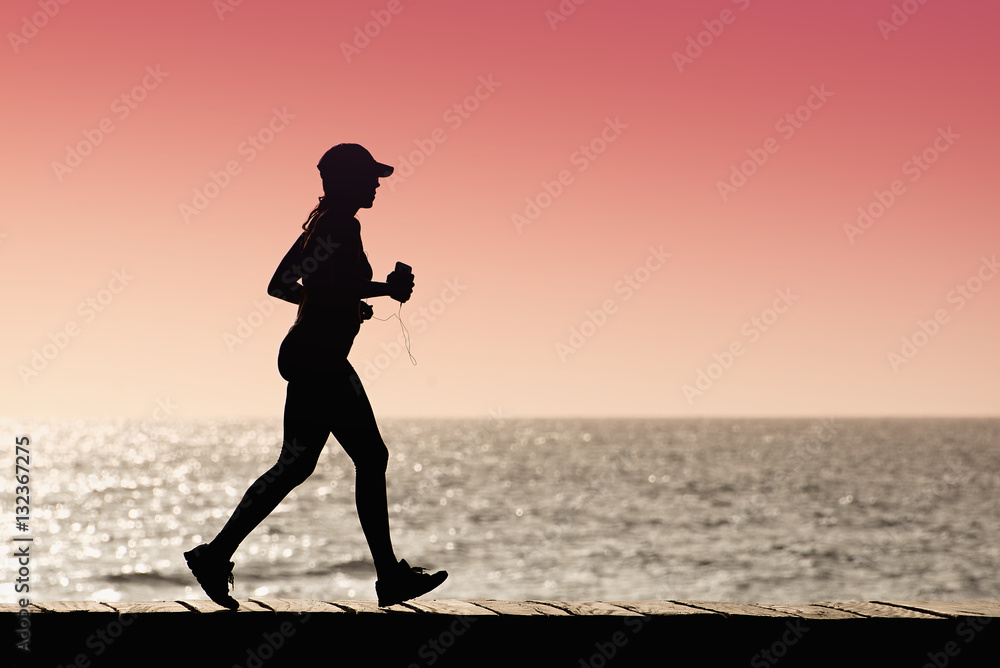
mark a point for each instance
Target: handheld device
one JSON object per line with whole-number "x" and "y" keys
{"x": 404, "y": 270}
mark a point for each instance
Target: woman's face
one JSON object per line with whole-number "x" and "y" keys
{"x": 367, "y": 191}
{"x": 355, "y": 190}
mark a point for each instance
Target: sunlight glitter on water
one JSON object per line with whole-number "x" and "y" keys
{"x": 711, "y": 509}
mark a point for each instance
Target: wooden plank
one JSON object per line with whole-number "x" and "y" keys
{"x": 589, "y": 608}
{"x": 877, "y": 610}
{"x": 297, "y": 605}
{"x": 661, "y": 608}
{"x": 205, "y": 605}
{"x": 814, "y": 612}
{"x": 371, "y": 607}
{"x": 951, "y": 608}
{"x": 72, "y": 606}
{"x": 736, "y": 609}
{"x": 520, "y": 608}
{"x": 139, "y": 607}
{"x": 451, "y": 607}
{"x": 488, "y": 607}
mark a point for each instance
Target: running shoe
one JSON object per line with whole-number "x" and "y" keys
{"x": 214, "y": 576}
{"x": 408, "y": 582}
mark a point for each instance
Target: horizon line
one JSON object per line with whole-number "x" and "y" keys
{"x": 554, "y": 416}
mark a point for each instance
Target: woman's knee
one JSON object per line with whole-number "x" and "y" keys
{"x": 374, "y": 459}
{"x": 290, "y": 471}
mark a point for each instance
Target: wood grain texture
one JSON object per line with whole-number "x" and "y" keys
{"x": 520, "y": 608}
{"x": 451, "y": 607}
{"x": 590, "y": 608}
{"x": 662, "y": 608}
{"x": 878, "y": 610}
{"x": 298, "y": 605}
{"x": 735, "y": 609}
{"x": 951, "y": 608}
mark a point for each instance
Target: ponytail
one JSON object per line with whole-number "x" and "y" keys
{"x": 329, "y": 186}
{"x": 310, "y": 223}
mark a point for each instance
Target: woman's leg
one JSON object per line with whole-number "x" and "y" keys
{"x": 353, "y": 425}
{"x": 305, "y": 434}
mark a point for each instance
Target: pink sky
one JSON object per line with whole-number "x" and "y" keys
{"x": 644, "y": 209}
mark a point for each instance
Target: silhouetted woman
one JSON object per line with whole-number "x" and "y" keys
{"x": 324, "y": 393}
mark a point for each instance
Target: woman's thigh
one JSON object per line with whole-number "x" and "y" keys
{"x": 352, "y": 421}
{"x": 305, "y": 428}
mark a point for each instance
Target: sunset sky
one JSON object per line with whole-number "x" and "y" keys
{"x": 627, "y": 209}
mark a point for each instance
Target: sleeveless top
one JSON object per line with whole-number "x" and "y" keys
{"x": 333, "y": 266}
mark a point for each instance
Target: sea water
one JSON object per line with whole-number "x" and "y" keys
{"x": 752, "y": 510}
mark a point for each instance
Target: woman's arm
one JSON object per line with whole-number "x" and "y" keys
{"x": 400, "y": 289}
{"x": 373, "y": 289}
{"x": 316, "y": 267}
{"x": 284, "y": 283}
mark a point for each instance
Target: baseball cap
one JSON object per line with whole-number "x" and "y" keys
{"x": 351, "y": 158}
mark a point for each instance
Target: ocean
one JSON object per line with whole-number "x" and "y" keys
{"x": 751, "y": 510}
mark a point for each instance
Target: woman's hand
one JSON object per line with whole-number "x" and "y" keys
{"x": 400, "y": 286}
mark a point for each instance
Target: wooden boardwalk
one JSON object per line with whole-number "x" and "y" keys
{"x": 283, "y": 632}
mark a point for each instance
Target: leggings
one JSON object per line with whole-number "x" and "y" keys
{"x": 317, "y": 405}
